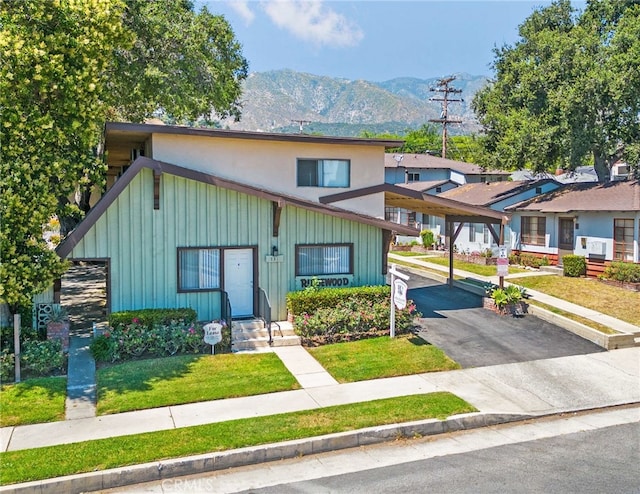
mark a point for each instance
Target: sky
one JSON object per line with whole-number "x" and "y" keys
{"x": 374, "y": 40}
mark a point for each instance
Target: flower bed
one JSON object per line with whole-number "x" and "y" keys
{"x": 627, "y": 285}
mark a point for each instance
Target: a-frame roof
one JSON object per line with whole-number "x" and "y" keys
{"x": 159, "y": 167}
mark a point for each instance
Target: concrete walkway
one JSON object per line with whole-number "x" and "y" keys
{"x": 81, "y": 379}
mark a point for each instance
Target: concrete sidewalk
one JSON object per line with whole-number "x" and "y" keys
{"x": 526, "y": 389}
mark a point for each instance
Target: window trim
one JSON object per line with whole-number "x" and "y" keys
{"x": 318, "y": 161}
{"x": 350, "y": 245}
{"x": 530, "y": 238}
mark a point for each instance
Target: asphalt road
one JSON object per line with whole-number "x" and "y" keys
{"x": 600, "y": 461}
{"x": 454, "y": 320}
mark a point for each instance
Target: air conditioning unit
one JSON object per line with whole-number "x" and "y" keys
{"x": 620, "y": 172}
{"x": 597, "y": 248}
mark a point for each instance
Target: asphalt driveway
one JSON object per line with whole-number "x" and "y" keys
{"x": 454, "y": 320}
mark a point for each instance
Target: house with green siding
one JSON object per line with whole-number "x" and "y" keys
{"x": 198, "y": 217}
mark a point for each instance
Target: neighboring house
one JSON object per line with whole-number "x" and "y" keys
{"x": 432, "y": 175}
{"x": 405, "y": 168}
{"x": 201, "y": 213}
{"x": 475, "y": 237}
{"x": 600, "y": 221}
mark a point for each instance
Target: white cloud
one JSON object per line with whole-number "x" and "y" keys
{"x": 241, "y": 8}
{"x": 312, "y": 20}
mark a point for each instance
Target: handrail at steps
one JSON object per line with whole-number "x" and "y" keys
{"x": 264, "y": 313}
{"x": 225, "y": 309}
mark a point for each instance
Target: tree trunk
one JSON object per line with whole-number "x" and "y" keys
{"x": 601, "y": 166}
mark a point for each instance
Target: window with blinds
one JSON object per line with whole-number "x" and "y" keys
{"x": 314, "y": 260}
{"x": 198, "y": 269}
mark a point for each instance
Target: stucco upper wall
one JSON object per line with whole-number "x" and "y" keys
{"x": 272, "y": 164}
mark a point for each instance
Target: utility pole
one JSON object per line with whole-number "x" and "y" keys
{"x": 301, "y": 123}
{"x": 444, "y": 88}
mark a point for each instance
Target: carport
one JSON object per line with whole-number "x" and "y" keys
{"x": 452, "y": 211}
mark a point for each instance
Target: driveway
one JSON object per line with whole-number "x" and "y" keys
{"x": 454, "y": 320}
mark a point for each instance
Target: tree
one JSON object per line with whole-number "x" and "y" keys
{"x": 568, "y": 92}
{"x": 52, "y": 88}
{"x": 66, "y": 68}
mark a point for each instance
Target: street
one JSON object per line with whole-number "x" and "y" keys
{"x": 595, "y": 452}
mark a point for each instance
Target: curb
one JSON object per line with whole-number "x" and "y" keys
{"x": 211, "y": 462}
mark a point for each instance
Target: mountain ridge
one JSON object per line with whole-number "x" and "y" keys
{"x": 278, "y": 100}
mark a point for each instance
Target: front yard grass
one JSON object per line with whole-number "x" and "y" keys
{"x": 68, "y": 459}
{"x": 381, "y": 357}
{"x": 33, "y": 401}
{"x": 587, "y": 292}
{"x": 142, "y": 384}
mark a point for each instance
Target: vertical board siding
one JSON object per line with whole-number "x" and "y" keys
{"x": 142, "y": 243}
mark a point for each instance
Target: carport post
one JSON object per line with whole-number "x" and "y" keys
{"x": 501, "y": 243}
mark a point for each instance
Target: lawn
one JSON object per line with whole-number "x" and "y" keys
{"x": 55, "y": 461}
{"x": 137, "y": 385}
{"x": 381, "y": 357}
{"x": 470, "y": 267}
{"x": 33, "y": 401}
{"x": 588, "y": 292}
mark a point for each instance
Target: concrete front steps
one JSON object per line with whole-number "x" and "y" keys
{"x": 251, "y": 335}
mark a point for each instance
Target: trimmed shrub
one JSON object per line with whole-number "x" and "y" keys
{"x": 428, "y": 239}
{"x": 7, "y": 364}
{"x": 626, "y": 272}
{"x": 152, "y": 317}
{"x": 574, "y": 266}
{"x": 310, "y": 300}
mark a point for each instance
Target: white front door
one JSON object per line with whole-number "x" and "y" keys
{"x": 238, "y": 280}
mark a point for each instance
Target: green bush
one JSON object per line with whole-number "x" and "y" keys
{"x": 574, "y": 266}
{"x": 152, "y": 317}
{"x": 133, "y": 340}
{"x": 353, "y": 319}
{"x": 310, "y": 300}
{"x": 530, "y": 260}
{"x": 514, "y": 259}
{"x": 627, "y": 272}
{"x": 7, "y": 364}
{"x": 42, "y": 357}
{"x": 428, "y": 239}
{"x": 6, "y": 336}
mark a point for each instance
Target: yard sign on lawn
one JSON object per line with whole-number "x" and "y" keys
{"x": 398, "y": 296}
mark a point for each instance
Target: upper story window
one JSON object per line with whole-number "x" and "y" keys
{"x": 533, "y": 230}
{"x": 413, "y": 177}
{"x": 323, "y": 173}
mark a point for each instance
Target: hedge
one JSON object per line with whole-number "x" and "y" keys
{"x": 627, "y": 272}
{"x": 310, "y": 301}
{"x": 574, "y": 266}
{"x": 153, "y": 317}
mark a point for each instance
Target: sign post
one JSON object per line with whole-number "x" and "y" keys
{"x": 398, "y": 297}
{"x": 503, "y": 264}
{"x": 212, "y": 334}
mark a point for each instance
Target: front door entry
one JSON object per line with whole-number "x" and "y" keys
{"x": 238, "y": 280}
{"x": 565, "y": 237}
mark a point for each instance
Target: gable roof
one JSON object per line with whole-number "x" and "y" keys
{"x": 427, "y": 161}
{"x": 159, "y": 167}
{"x": 486, "y": 194}
{"x": 609, "y": 196}
{"x": 415, "y": 200}
{"x": 426, "y": 185}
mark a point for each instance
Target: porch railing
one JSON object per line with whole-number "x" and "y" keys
{"x": 264, "y": 313}
{"x": 225, "y": 308}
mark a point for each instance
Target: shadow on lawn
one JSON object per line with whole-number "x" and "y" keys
{"x": 137, "y": 375}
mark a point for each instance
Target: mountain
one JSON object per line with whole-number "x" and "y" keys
{"x": 276, "y": 101}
